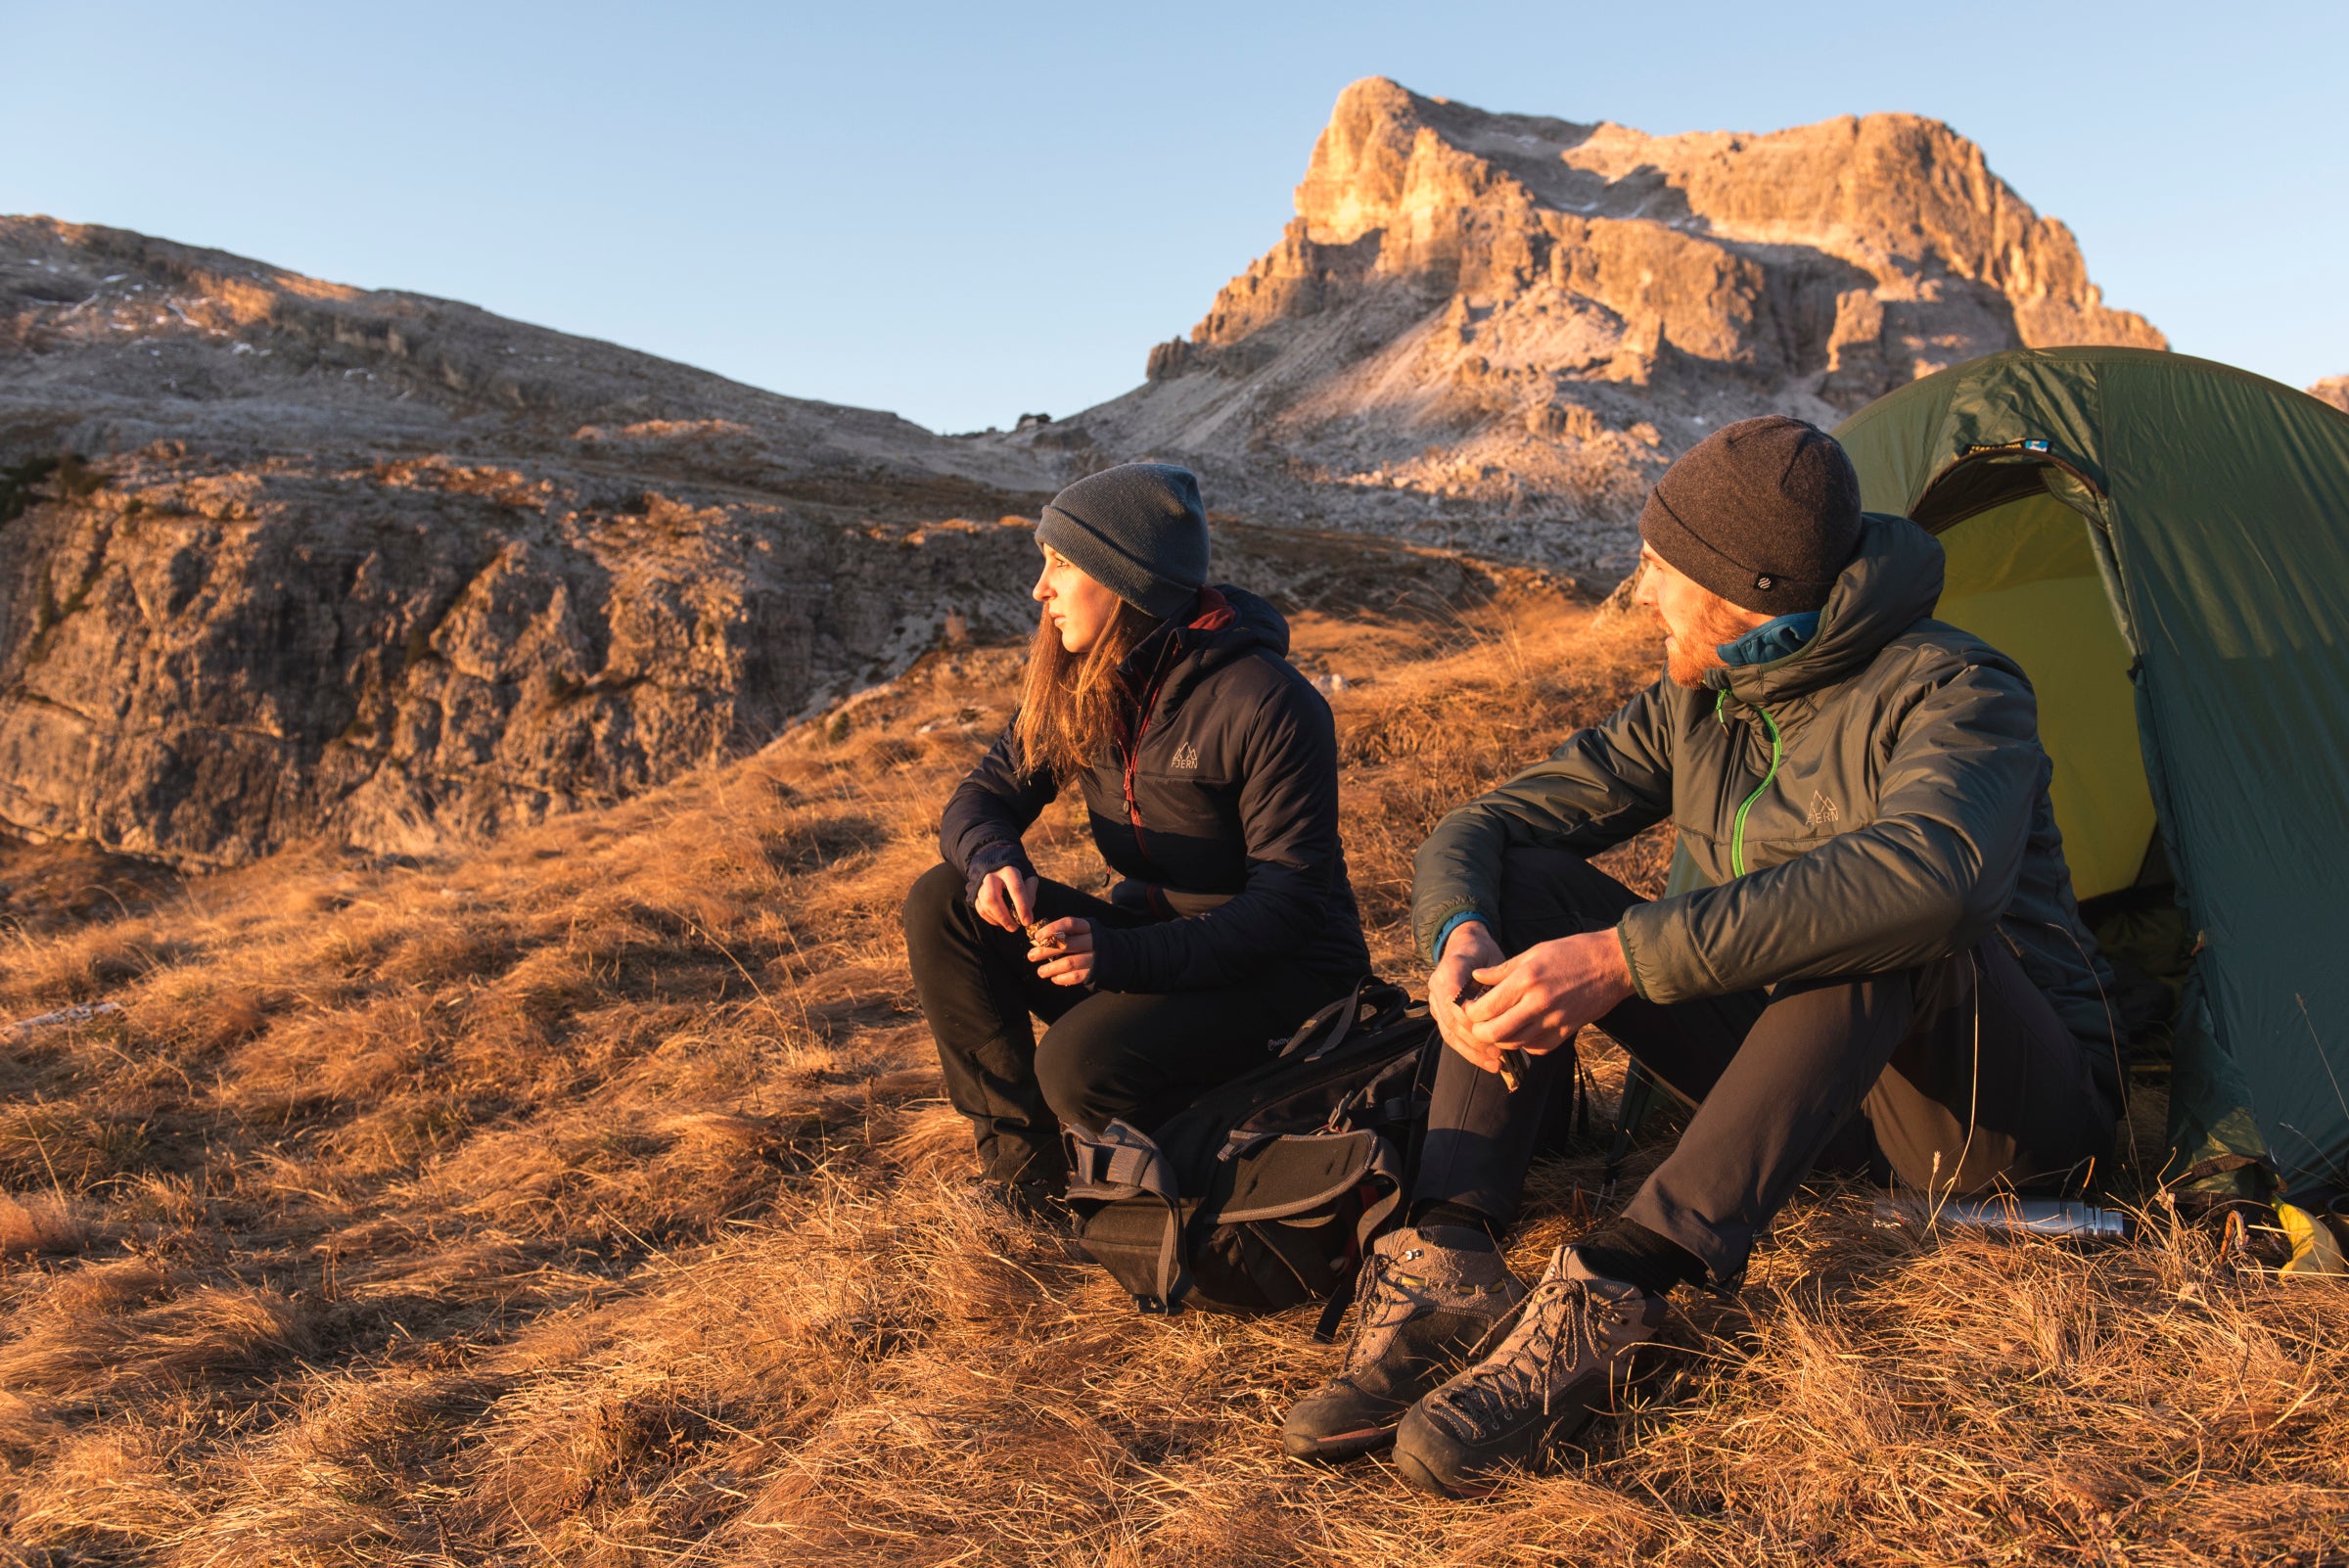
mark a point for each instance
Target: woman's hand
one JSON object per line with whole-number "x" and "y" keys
{"x": 1543, "y": 996}
{"x": 1063, "y": 951}
{"x": 1468, "y": 948}
{"x": 1007, "y": 898}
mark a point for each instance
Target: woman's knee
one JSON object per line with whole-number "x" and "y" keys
{"x": 935, "y": 905}
{"x": 1078, "y": 1080}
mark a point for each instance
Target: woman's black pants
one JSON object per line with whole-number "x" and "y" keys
{"x": 1105, "y": 1055}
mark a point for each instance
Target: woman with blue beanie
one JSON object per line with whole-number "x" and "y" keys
{"x": 1209, "y": 769}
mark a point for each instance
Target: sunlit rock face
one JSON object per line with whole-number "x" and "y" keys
{"x": 395, "y": 571}
{"x": 392, "y": 571}
{"x": 1495, "y": 328}
{"x": 282, "y": 561}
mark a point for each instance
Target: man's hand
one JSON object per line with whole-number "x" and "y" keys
{"x": 1469, "y": 947}
{"x": 1543, "y": 996}
{"x": 1007, "y": 898}
{"x": 1063, "y": 951}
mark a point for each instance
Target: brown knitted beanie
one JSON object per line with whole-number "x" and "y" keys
{"x": 1765, "y": 513}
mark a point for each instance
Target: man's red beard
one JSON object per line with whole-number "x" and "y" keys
{"x": 1688, "y": 659}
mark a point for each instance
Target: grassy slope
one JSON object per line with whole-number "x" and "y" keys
{"x": 590, "y": 1199}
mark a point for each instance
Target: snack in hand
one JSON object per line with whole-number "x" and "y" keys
{"x": 1513, "y": 1062}
{"x": 1514, "y": 1065}
{"x": 1041, "y": 936}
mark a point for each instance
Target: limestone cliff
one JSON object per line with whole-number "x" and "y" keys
{"x": 282, "y": 560}
{"x": 2333, "y": 389}
{"x": 394, "y": 570}
{"x": 1497, "y": 328}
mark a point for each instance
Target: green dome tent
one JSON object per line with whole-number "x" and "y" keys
{"x": 2163, "y": 545}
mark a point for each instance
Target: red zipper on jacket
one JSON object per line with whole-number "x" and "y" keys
{"x": 1214, "y": 613}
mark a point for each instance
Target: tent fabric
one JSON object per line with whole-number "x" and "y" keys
{"x": 2024, "y": 575}
{"x": 2213, "y": 508}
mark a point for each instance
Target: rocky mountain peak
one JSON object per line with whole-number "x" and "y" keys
{"x": 1905, "y": 201}
{"x": 1482, "y": 310}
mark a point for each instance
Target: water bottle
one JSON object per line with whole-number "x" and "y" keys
{"x": 2038, "y": 1217}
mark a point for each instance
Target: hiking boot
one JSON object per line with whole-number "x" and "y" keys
{"x": 1425, "y": 1299}
{"x": 1569, "y": 1351}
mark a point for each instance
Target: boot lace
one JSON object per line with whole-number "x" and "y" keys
{"x": 1375, "y": 1303}
{"x": 1561, "y": 1319}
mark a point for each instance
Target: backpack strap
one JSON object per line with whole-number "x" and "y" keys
{"x": 1373, "y": 1003}
{"x": 1121, "y": 1163}
{"x": 1386, "y": 1168}
{"x": 1336, "y": 1020}
{"x": 1108, "y": 1171}
{"x": 1326, "y": 1327}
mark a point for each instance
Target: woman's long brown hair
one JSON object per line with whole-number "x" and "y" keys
{"x": 1070, "y": 703}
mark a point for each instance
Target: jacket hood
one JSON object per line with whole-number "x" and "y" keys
{"x": 1890, "y": 584}
{"x": 1212, "y": 630}
{"x": 1265, "y": 626}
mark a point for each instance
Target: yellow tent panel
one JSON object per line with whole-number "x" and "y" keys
{"x": 2022, "y": 576}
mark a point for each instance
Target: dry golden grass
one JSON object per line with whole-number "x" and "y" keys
{"x": 590, "y": 1200}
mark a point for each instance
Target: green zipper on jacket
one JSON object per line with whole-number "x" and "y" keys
{"x": 1737, "y": 832}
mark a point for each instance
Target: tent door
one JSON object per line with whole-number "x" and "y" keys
{"x": 2022, "y": 574}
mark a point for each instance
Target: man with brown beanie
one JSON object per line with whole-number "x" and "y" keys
{"x": 1868, "y": 948}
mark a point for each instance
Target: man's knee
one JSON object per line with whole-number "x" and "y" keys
{"x": 1886, "y": 1002}
{"x": 934, "y": 907}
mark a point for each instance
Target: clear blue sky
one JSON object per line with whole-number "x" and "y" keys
{"x": 966, "y": 211}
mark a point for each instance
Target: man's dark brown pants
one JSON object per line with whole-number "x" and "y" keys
{"x": 1958, "y": 1069}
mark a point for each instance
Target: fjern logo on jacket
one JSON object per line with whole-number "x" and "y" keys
{"x": 1186, "y": 756}
{"x": 1822, "y": 809}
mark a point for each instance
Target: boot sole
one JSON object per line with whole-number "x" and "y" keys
{"x": 1483, "y": 1482}
{"x": 1339, "y": 1448}
{"x": 1569, "y": 1424}
{"x": 1419, "y": 1478}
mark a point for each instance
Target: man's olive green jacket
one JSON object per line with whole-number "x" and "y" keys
{"x": 1872, "y": 801}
